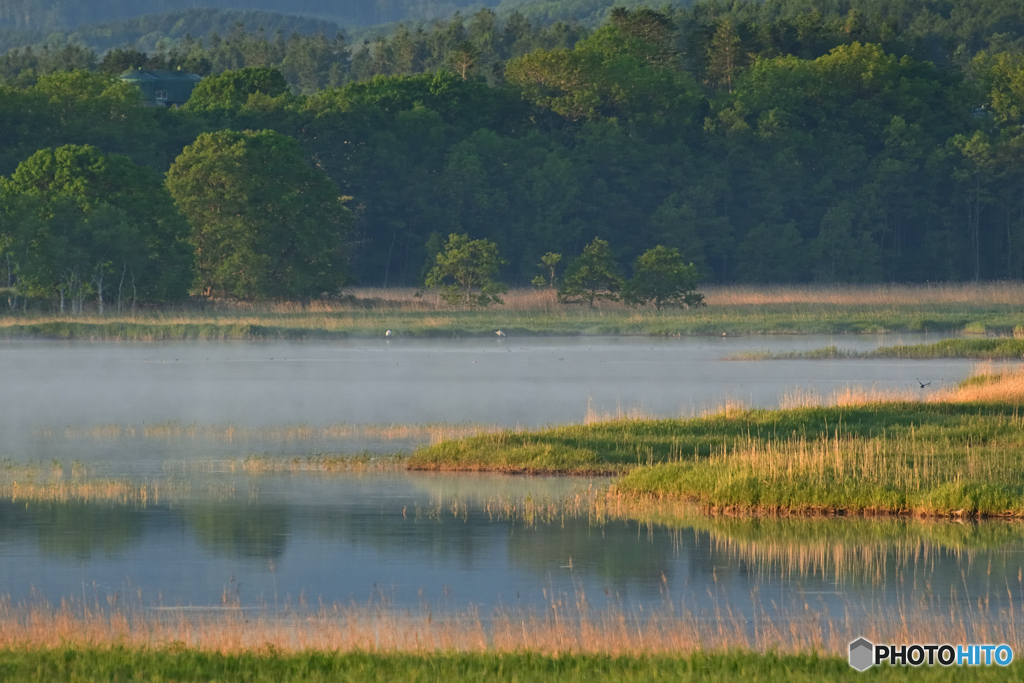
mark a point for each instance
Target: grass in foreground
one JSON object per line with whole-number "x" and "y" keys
{"x": 959, "y": 454}
{"x": 994, "y": 307}
{"x": 72, "y": 664}
{"x": 568, "y": 625}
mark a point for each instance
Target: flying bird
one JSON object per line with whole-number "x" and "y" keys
{"x": 923, "y": 384}
{"x": 388, "y": 333}
{"x": 499, "y": 333}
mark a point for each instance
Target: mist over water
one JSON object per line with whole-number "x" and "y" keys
{"x": 51, "y": 386}
{"x": 426, "y": 540}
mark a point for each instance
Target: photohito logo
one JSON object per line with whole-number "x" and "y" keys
{"x": 865, "y": 654}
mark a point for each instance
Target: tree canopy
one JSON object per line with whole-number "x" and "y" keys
{"x": 76, "y": 222}
{"x": 768, "y": 142}
{"x": 465, "y": 272}
{"x": 662, "y": 278}
{"x": 264, "y": 223}
{"x": 591, "y": 276}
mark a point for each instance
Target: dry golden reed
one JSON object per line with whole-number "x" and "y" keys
{"x": 970, "y": 293}
{"x": 346, "y": 311}
{"x": 564, "y": 625}
{"x": 431, "y": 432}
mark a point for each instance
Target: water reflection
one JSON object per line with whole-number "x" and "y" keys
{"x": 447, "y": 541}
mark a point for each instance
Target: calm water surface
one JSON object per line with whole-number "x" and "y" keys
{"x": 415, "y": 540}
{"x": 51, "y": 386}
{"x": 400, "y": 539}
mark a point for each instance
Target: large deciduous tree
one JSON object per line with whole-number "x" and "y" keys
{"x": 662, "y": 278}
{"x": 75, "y": 222}
{"x": 265, "y": 224}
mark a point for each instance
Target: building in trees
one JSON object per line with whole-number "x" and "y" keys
{"x": 162, "y": 88}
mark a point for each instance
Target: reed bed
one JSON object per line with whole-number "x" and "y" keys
{"x": 956, "y": 451}
{"x": 984, "y": 307}
{"x": 999, "y": 348}
{"x": 565, "y": 625}
{"x": 426, "y": 432}
{"x": 957, "y": 293}
{"x": 50, "y": 483}
{"x": 307, "y": 464}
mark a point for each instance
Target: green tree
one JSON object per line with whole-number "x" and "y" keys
{"x": 264, "y": 223}
{"x": 433, "y": 247}
{"x": 465, "y": 272}
{"x": 590, "y": 276}
{"x": 549, "y": 261}
{"x": 231, "y": 90}
{"x": 77, "y": 222}
{"x": 612, "y": 74}
{"x": 842, "y": 254}
{"x": 661, "y": 277}
{"x": 725, "y": 56}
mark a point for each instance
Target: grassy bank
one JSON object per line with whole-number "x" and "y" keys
{"x": 731, "y": 311}
{"x": 71, "y": 664}
{"x": 1001, "y": 348}
{"x": 959, "y": 453}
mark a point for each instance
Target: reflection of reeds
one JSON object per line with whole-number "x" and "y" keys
{"x": 567, "y": 624}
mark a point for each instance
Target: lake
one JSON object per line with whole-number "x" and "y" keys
{"x": 167, "y": 414}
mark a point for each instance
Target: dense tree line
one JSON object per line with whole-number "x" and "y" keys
{"x": 879, "y": 145}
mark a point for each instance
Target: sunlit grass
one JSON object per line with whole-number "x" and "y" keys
{"x": 954, "y": 452}
{"x": 268, "y": 666}
{"x": 1000, "y": 348}
{"x": 565, "y": 625}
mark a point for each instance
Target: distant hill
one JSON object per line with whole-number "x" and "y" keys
{"x": 145, "y": 31}
{"x": 37, "y": 17}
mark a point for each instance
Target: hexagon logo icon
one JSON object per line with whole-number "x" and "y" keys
{"x": 861, "y": 654}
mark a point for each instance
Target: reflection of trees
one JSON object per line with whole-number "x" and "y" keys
{"x": 460, "y": 541}
{"x": 614, "y": 552}
{"x": 236, "y": 530}
{"x": 73, "y": 529}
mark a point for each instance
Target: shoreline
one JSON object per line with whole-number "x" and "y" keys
{"x": 735, "y": 310}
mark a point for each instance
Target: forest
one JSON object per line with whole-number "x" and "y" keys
{"x": 783, "y": 141}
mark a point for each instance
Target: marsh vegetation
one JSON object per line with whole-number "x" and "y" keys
{"x": 952, "y": 452}
{"x": 732, "y": 310}
{"x": 239, "y": 532}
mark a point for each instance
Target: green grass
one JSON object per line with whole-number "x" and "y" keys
{"x": 1001, "y": 348}
{"x": 732, "y": 315}
{"x": 922, "y": 458}
{"x": 120, "y": 664}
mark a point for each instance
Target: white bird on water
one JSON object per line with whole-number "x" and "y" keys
{"x": 500, "y": 333}
{"x": 388, "y": 333}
